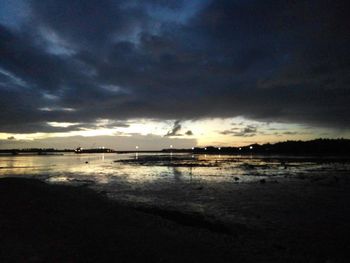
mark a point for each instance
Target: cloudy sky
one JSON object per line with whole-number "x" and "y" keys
{"x": 154, "y": 73}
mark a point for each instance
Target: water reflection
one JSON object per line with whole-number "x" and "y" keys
{"x": 183, "y": 181}
{"x": 150, "y": 167}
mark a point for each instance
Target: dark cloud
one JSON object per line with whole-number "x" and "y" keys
{"x": 247, "y": 131}
{"x": 175, "y": 131}
{"x": 189, "y": 133}
{"x": 285, "y": 61}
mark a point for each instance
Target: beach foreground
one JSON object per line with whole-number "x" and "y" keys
{"x": 41, "y": 222}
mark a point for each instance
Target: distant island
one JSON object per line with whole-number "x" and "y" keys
{"x": 52, "y": 151}
{"x": 311, "y": 147}
{"x": 314, "y": 147}
{"x": 80, "y": 150}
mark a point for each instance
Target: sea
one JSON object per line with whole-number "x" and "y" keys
{"x": 188, "y": 183}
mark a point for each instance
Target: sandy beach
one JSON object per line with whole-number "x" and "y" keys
{"x": 41, "y": 222}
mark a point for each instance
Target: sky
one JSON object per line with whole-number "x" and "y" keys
{"x": 156, "y": 73}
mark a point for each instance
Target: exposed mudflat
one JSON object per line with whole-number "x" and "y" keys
{"x": 296, "y": 222}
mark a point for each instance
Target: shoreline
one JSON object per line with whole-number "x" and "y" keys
{"x": 46, "y": 222}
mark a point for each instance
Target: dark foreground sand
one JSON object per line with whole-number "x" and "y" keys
{"x": 55, "y": 223}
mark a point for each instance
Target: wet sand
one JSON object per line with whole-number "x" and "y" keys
{"x": 296, "y": 222}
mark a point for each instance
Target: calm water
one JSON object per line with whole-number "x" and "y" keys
{"x": 195, "y": 183}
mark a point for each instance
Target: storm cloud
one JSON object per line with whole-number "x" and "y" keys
{"x": 83, "y": 60}
{"x": 175, "y": 131}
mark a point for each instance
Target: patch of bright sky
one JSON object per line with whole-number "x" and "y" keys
{"x": 145, "y": 127}
{"x": 49, "y": 96}
{"x": 55, "y": 44}
{"x": 24, "y": 136}
{"x": 15, "y": 80}
{"x": 56, "y": 109}
{"x": 62, "y": 124}
{"x": 206, "y": 131}
{"x": 113, "y": 88}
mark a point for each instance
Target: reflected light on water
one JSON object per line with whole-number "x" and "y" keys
{"x": 184, "y": 181}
